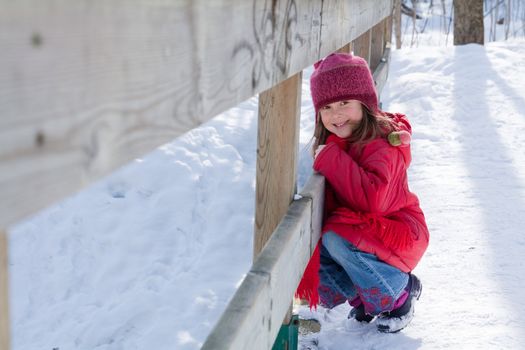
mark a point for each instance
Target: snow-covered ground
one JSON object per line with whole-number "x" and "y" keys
{"x": 467, "y": 107}
{"x": 149, "y": 257}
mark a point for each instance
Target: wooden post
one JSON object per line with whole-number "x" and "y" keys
{"x": 388, "y": 31}
{"x": 277, "y": 142}
{"x": 4, "y": 293}
{"x": 361, "y": 46}
{"x": 346, "y": 49}
{"x": 376, "y": 45}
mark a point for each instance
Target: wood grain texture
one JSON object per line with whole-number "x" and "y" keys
{"x": 377, "y": 44}
{"x": 361, "y": 46}
{"x": 253, "y": 316}
{"x": 277, "y": 142}
{"x": 314, "y": 190}
{"x": 4, "y": 293}
{"x": 89, "y": 85}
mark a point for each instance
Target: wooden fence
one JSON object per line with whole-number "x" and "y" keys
{"x": 253, "y": 316}
{"x": 89, "y": 85}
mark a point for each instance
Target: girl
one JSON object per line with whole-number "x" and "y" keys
{"x": 374, "y": 232}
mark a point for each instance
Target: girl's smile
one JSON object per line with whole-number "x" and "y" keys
{"x": 342, "y": 117}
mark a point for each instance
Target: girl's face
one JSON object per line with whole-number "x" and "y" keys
{"x": 342, "y": 118}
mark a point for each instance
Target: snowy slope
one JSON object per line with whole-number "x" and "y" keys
{"x": 146, "y": 259}
{"x": 149, "y": 257}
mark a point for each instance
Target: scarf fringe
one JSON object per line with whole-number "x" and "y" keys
{"x": 307, "y": 289}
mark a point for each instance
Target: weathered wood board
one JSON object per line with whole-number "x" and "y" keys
{"x": 88, "y": 85}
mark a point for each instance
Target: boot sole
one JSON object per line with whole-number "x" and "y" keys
{"x": 386, "y": 329}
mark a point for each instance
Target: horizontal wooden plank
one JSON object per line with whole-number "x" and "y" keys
{"x": 314, "y": 190}
{"x": 255, "y": 313}
{"x": 87, "y": 85}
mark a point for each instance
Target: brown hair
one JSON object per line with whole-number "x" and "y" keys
{"x": 370, "y": 127}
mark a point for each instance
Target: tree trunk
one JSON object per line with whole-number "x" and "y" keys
{"x": 468, "y": 22}
{"x": 397, "y": 22}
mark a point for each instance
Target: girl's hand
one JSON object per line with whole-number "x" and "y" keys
{"x": 318, "y": 150}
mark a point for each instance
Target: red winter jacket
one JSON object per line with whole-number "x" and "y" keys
{"x": 368, "y": 202}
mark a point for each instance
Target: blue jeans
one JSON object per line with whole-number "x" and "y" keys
{"x": 347, "y": 273}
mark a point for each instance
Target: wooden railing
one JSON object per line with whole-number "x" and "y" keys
{"x": 252, "y": 318}
{"x": 86, "y": 86}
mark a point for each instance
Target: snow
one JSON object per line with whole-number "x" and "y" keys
{"x": 149, "y": 257}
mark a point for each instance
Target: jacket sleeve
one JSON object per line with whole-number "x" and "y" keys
{"x": 367, "y": 187}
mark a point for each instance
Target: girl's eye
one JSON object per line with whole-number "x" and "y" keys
{"x": 343, "y": 103}
{"x": 325, "y": 107}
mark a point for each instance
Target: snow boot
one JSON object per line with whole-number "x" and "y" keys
{"x": 358, "y": 313}
{"x": 397, "y": 319}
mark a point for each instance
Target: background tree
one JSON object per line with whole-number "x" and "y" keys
{"x": 397, "y": 22}
{"x": 468, "y": 22}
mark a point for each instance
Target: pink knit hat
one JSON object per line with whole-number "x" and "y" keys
{"x": 341, "y": 76}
